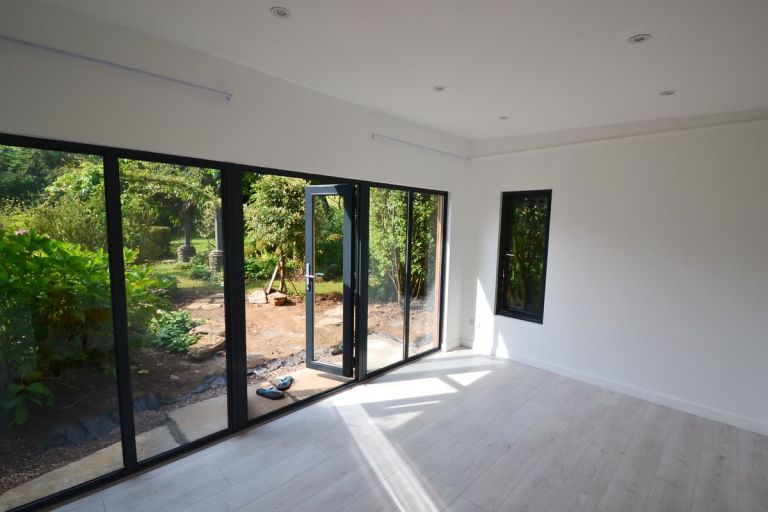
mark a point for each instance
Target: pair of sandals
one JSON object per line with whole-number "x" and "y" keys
{"x": 278, "y": 390}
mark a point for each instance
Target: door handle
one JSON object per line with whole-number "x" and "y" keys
{"x": 308, "y": 277}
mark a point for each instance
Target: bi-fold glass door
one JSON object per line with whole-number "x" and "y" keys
{"x": 147, "y": 298}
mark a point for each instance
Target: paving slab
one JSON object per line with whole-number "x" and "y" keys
{"x": 202, "y": 418}
{"x": 308, "y": 382}
{"x": 383, "y": 352}
{"x": 259, "y": 406}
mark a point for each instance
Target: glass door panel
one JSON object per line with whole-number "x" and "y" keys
{"x": 59, "y": 420}
{"x": 387, "y": 240}
{"x": 426, "y": 245}
{"x": 173, "y": 236}
{"x": 329, "y": 213}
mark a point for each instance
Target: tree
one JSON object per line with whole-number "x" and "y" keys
{"x": 25, "y": 172}
{"x": 274, "y": 217}
{"x": 388, "y": 239}
{"x": 173, "y": 194}
{"x": 388, "y": 217}
{"x": 152, "y": 193}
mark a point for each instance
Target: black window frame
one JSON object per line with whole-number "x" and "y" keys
{"x": 507, "y": 202}
{"x": 234, "y": 291}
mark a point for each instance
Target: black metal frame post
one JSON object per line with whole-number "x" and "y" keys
{"x": 408, "y": 269}
{"x": 234, "y": 297}
{"x": 363, "y": 262}
{"x": 119, "y": 308}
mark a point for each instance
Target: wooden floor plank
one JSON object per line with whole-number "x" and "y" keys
{"x": 672, "y": 488}
{"x": 753, "y": 472}
{"x": 540, "y": 485}
{"x": 593, "y": 473}
{"x": 717, "y": 488}
{"x": 464, "y": 433}
{"x": 494, "y": 481}
{"x": 632, "y": 478}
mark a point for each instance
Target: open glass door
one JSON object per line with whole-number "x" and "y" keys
{"x": 328, "y": 258}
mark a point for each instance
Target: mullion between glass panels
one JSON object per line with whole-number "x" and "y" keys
{"x": 119, "y": 308}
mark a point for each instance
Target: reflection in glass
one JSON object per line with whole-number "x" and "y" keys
{"x": 59, "y": 423}
{"x": 425, "y": 271}
{"x": 328, "y": 216}
{"x": 525, "y": 218}
{"x": 387, "y": 235}
{"x": 174, "y": 245}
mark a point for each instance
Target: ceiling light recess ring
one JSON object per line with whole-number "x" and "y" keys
{"x": 639, "y": 38}
{"x": 280, "y": 12}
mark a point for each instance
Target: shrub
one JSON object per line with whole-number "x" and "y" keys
{"x": 201, "y": 271}
{"x": 155, "y": 243}
{"x": 77, "y": 220}
{"x": 29, "y": 390}
{"x": 170, "y": 331}
{"x": 56, "y": 311}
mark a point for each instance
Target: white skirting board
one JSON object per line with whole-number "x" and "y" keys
{"x": 644, "y": 394}
{"x": 452, "y": 345}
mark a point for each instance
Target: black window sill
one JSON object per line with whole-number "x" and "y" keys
{"x": 522, "y": 315}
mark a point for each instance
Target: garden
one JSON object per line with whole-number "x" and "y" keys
{"x": 58, "y": 391}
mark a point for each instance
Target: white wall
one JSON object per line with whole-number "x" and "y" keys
{"x": 657, "y": 281}
{"x": 269, "y": 122}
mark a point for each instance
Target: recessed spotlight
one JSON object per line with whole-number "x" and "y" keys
{"x": 503, "y": 118}
{"x": 280, "y": 12}
{"x": 639, "y": 38}
{"x": 668, "y": 92}
{"x": 439, "y": 88}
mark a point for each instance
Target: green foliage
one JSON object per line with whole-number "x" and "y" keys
{"x": 71, "y": 208}
{"x": 387, "y": 241}
{"x": 259, "y": 268}
{"x": 274, "y": 215}
{"x": 24, "y": 172}
{"x": 524, "y": 264}
{"x": 424, "y": 242}
{"x": 20, "y": 395}
{"x": 170, "y": 331}
{"x": 201, "y": 271}
{"x": 154, "y": 243}
{"x": 56, "y": 311}
{"x": 164, "y": 194}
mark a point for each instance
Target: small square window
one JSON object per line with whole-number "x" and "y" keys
{"x": 523, "y": 243}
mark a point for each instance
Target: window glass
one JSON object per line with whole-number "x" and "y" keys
{"x": 426, "y": 245}
{"x": 523, "y": 254}
{"x": 174, "y": 264}
{"x": 387, "y": 239}
{"x": 59, "y": 421}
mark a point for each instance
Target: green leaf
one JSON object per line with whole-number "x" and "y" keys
{"x": 22, "y": 414}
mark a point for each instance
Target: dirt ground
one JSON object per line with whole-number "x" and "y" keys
{"x": 279, "y": 331}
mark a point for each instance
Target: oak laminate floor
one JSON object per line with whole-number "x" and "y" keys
{"x": 464, "y": 433}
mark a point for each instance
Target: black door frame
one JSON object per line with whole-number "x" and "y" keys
{"x": 234, "y": 295}
{"x": 348, "y": 323}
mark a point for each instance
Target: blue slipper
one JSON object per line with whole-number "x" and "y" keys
{"x": 272, "y": 393}
{"x": 284, "y": 383}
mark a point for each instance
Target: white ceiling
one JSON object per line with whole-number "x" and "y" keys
{"x": 549, "y": 65}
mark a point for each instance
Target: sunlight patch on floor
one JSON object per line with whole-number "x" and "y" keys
{"x": 384, "y": 391}
{"x": 391, "y": 470}
{"x": 468, "y": 378}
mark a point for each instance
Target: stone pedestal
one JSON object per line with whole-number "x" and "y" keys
{"x": 216, "y": 260}
{"x": 185, "y": 252}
